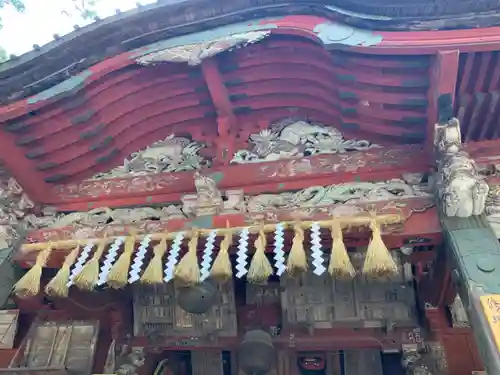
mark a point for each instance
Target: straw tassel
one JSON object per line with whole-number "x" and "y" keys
{"x": 58, "y": 286}
{"x": 88, "y": 276}
{"x": 378, "y": 262}
{"x": 297, "y": 259}
{"x": 222, "y": 269}
{"x": 154, "y": 271}
{"x": 29, "y": 284}
{"x": 187, "y": 271}
{"x": 118, "y": 275}
{"x": 260, "y": 267}
{"x": 340, "y": 264}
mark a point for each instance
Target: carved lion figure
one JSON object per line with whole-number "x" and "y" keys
{"x": 459, "y": 186}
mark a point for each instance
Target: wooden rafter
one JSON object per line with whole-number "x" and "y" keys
{"x": 444, "y": 73}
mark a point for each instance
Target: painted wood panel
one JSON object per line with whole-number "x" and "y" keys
{"x": 156, "y": 312}
{"x": 324, "y": 302}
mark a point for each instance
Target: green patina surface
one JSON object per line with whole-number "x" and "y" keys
{"x": 474, "y": 252}
{"x": 200, "y": 222}
{"x": 217, "y": 177}
{"x": 74, "y": 84}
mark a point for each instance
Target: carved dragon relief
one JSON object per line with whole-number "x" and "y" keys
{"x": 292, "y": 138}
{"x": 461, "y": 190}
{"x": 173, "y": 154}
{"x": 209, "y": 200}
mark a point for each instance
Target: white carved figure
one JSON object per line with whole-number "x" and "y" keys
{"x": 208, "y": 198}
{"x": 173, "y": 154}
{"x": 291, "y": 138}
{"x": 492, "y": 209}
{"x": 461, "y": 190}
{"x": 105, "y": 215}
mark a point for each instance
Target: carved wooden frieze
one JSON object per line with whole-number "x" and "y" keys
{"x": 193, "y": 54}
{"x": 461, "y": 190}
{"x": 173, "y": 154}
{"x": 403, "y": 196}
{"x": 124, "y": 184}
{"x": 292, "y": 138}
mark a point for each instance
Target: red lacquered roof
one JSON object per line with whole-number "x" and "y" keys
{"x": 118, "y": 107}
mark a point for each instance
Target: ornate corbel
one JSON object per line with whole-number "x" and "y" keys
{"x": 460, "y": 189}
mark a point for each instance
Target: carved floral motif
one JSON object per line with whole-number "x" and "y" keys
{"x": 173, "y": 154}
{"x": 296, "y": 138}
{"x": 460, "y": 188}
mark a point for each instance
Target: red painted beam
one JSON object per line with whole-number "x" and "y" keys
{"x": 24, "y": 171}
{"x": 282, "y": 175}
{"x": 444, "y": 75}
{"x": 421, "y": 226}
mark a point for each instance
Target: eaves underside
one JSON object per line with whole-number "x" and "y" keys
{"x": 119, "y": 107}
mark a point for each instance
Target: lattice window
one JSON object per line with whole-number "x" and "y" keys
{"x": 156, "y": 311}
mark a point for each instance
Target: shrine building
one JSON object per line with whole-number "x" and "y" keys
{"x": 247, "y": 187}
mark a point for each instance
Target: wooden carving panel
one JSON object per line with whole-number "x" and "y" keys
{"x": 61, "y": 345}
{"x": 323, "y": 302}
{"x": 156, "y": 311}
{"x": 362, "y": 362}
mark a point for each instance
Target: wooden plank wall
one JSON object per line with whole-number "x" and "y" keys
{"x": 461, "y": 351}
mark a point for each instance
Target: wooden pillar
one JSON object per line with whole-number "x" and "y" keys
{"x": 474, "y": 252}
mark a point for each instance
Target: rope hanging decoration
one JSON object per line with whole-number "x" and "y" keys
{"x": 187, "y": 272}
{"x": 153, "y": 274}
{"x": 260, "y": 267}
{"x": 88, "y": 276}
{"x": 297, "y": 259}
{"x": 379, "y": 262}
{"x": 340, "y": 264}
{"x": 58, "y": 286}
{"x": 29, "y": 284}
{"x": 222, "y": 269}
{"x": 118, "y": 274}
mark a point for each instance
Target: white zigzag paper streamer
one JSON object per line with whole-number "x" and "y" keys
{"x": 80, "y": 263}
{"x": 173, "y": 257}
{"x": 316, "y": 252}
{"x": 136, "y": 267}
{"x": 109, "y": 259}
{"x": 242, "y": 254}
{"x": 206, "y": 260}
{"x": 279, "y": 253}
